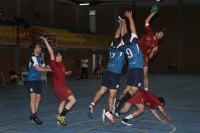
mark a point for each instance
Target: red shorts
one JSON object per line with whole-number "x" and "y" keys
{"x": 145, "y": 59}
{"x": 62, "y": 92}
{"x": 137, "y": 98}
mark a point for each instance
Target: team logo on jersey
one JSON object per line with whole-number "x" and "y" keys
{"x": 139, "y": 84}
{"x": 31, "y": 89}
{"x": 117, "y": 86}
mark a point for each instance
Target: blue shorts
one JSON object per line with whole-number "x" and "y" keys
{"x": 34, "y": 87}
{"x": 110, "y": 80}
{"x": 135, "y": 77}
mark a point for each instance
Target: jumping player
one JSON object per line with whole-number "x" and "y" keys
{"x": 111, "y": 77}
{"x": 63, "y": 93}
{"x": 135, "y": 62}
{"x": 148, "y": 43}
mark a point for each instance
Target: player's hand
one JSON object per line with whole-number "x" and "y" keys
{"x": 43, "y": 38}
{"x": 155, "y": 48}
{"x": 68, "y": 73}
{"x": 128, "y": 14}
{"x": 153, "y": 12}
{"x": 47, "y": 66}
{"x": 119, "y": 21}
{"x": 168, "y": 119}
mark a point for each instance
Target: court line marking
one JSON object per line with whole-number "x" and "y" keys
{"x": 165, "y": 123}
{"x": 173, "y": 127}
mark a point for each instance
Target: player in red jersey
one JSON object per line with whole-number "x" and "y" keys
{"x": 148, "y": 43}
{"x": 97, "y": 71}
{"x": 62, "y": 92}
{"x": 78, "y": 66}
{"x": 140, "y": 99}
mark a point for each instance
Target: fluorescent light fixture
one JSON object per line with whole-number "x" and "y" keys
{"x": 157, "y": 0}
{"x": 84, "y": 4}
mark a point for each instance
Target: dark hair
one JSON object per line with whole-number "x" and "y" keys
{"x": 55, "y": 54}
{"x": 116, "y": 41}
{"x": 162, "y": 100}
{"x": 126, "y": 38}
{"x": 32, "y": 47}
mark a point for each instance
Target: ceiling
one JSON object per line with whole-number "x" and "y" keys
{"x": 98, "y": 2}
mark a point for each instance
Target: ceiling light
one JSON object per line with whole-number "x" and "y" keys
{"x": 84, "y": 4}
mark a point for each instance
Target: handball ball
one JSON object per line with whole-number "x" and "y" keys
{"x": 154, "y": 8}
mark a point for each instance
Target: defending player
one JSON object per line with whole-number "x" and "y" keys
{"x": 135, "y": 67}
{"x": 148, "y": 43}
{"x": 140, "y": 99}
{"x": 111, "y": 77}
{"x": 63, "y": 93}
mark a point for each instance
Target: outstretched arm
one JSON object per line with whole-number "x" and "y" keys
{"x": 163, "y": 112}
{"x": 128, "y": 14}
{"x": 149, "y": 17}
{"x": 48, "y": 47}
{"x": 123, "y": 29}
{"x": 117, "y": 33}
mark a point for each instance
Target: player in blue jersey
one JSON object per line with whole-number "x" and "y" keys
{"x": 33, "y": 81}
{"x": 135, "y": 62}
{"x": 111, "y": 77}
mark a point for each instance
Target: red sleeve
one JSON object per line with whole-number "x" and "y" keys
{"x": 52, "y": 64}
{"x": 148, "y": 29}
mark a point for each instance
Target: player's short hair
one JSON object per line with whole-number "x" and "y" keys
{"x": 32, "y": 47}
{"x": 116, "y": 41}
{"x": 162, "y": 100}
{"x": 55, "y": 54}
{"x": 126, "y": 38}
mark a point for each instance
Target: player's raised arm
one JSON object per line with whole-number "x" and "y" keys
{"x": 50, "y": 50}
{"x": 118, "y": 31}
{"x": 149, "y": 17}
{"x": 128, "y": 14}
{"x": 124, "y": 28}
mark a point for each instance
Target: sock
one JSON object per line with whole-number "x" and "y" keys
{"x": 123, "y": 98}
{"x": 34, "y": 115}
{"x": 93, "y": 104}
{"x": 64, "y": 112}
{"x": 129, "y": 117}
{"x": 146, "y": 89}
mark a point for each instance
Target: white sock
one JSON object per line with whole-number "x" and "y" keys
{"x": 129, "y": 116}
{"x": 93, "y": 104}
{"x": 146, "y": 89}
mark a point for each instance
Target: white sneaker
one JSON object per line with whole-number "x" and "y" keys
{"x": 103, "y": 115}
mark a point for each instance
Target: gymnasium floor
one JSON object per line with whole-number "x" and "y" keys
{"x": 180, "y": 90}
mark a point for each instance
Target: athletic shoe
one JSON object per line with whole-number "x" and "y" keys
{"x": 61, "y": 119}
{"x": 110, "y": 117}
{"x": 36, "y": 120}
{"x": 117, "y": 114}
{"x": 103, "y": 115}
{"x": 90, "y": 111}
{"x": 58, "y": 123}
{"x": 127, "y": 122}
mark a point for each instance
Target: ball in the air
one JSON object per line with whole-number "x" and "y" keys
{"x": 154, "y": 8}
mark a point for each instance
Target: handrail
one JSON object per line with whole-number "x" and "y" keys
{"x": 17, "y": 36}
